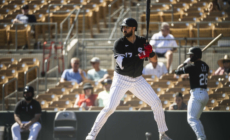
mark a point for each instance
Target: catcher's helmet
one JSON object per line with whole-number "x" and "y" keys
{"x": 197, "y": 53}
{"x": 130, "y": 22}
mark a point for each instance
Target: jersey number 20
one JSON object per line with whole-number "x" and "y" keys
{"x": 203, "y": 79}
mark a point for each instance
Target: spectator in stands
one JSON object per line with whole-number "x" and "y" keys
{"x": 87, "y": 99}
{"x": 27, "y": 115}
{"x": 179, "y": 104}
{"x": 25, "y": 18}
{"x": 224, "y": 64}
{"x": 160, "y": 44}
{"x": 96, "y": 74}
{"x": 75, "y": 74}
{"x": 155, "y": 68}
{"x": 103, "y": 97}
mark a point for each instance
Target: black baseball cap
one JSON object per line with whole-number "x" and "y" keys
{"x": 28, "y": 89}
{"x": 87, "y": 86}
{"x": 107, "y": 81}
{"x": 25, "y": 7}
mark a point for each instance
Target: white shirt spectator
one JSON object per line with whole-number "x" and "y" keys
{"x": 158, "y": 44}
{"x": 158, "y": 71}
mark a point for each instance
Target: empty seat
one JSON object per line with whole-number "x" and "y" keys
{"x": 223, "y": 108}
{"x": 223, "y": 90}
{"x": 135, "y": 103}
{"x": 10, "y": 74}
{"x": 145, "y": 108}
{"x": 30, "y": 62}
{"x": 219, "y": 77}
{"x": 61, "y": 104}
{"x": 184, "y": 84}
{"x": 3, "y": 36}
{"x": 23, "y": 35}
{"x": 67, "y": 84}
{"x": 2, "y": 67}
{"x": 21, "y": 69}
{"x": 161, "y": 84}
{"x": 175, "y": 90}
{"x": 47, "y": 97}
{"x": 57, "y": 91}
{"x": 70, "y": 97}
{"x": 225, "y": 103}
{"x": 43, "y": 103}
{"x": 166, "y": 104}
{"x": 169, "y": 77}
{"x": 219, "y": 97}
{"x": 75, "y": 108}
{"x": 168, "y": 97}
{"x": 8, "y": 60}
{"x": 212, "y": 103}
{"x": 180, "y": 33}
{"x": 152, "y": 27}
{"x": 76, "y": 91}
{"x": 167, "y": 17}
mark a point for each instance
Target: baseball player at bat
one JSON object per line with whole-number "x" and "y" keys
{"x": 198, "y": 73}
{"x": 130, "y": 52}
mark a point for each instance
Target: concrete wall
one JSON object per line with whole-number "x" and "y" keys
{"x": 132, "y": 125}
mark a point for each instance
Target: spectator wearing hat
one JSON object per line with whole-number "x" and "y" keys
{"x": 87, "y": 99}
{"x": 96, "y": 74}
{"x": 25, "y": 17}
{"x": 178, "y": 103}
{"x": 155, "y": 68}
{"x": 224, "y": 64}
{"x": 75, "y": 74}
{"x": 27, "y": 114}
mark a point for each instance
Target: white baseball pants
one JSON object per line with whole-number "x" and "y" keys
{"x": 198, "y": 99}
{"x": 34, "y": 130}
{"x": 140, "y": 88}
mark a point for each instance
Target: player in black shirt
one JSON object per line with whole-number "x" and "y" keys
{"x": 27, "y": 115}
{"x": 130, "y": 52}
{"x": 198, "y": 76}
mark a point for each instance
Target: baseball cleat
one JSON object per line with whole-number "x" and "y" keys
{"x": 90, "y": 137}
{"x": 164, "y": 137}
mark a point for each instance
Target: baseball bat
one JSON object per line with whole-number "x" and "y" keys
{"x": 147, "y": 18}
{"x": 148, "y": 135}
{"x": 212, "y": 42}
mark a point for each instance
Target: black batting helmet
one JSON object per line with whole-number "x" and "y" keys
{"x": 130, "y": 22}
{"x": 28, "y": 89}
{"x": 197, "y": 53}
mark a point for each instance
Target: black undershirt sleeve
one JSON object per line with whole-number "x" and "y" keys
{"x": 185, "y": 69}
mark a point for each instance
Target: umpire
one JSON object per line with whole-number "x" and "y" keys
{"x": 27, "y": 114}
{"x": 198, "y": 73}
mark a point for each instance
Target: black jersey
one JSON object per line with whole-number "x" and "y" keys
{"x": 26, "y": 111}
{"x": 198, "y": 74}
{"x": 132, "y": 64}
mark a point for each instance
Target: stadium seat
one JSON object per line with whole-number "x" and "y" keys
{"x": 220, "y": 30}
{"x": 184, "y": 84}
{"x": 219, "y": 77}
{"x": 168, "y": 97}
{"x": 225, "y": 103}
{"x": 169, "y": 77}
{"x": 57, "y": 91}
{"x": 161, "y": 84}
{"x": 61, "y": 104}
{"x": 222, "y": 108}
{"x": 67, "y": 85}
{"x": 180, "y": 33}
{"x": 3, "y": 37}
{"x": 8, "y": 60}
{"x": 21, "y": 69}
{"x": 158, "y": 90}
{"x": 212, "y": 103}
{"x": 152, "y": 27}
{"x": 70, "y": 97}
{"x": 223, "y": 90}
{"x": 3, "y": 80}
{"x": 44, "y": 104}
{"x": 125, "y": 108}
{"x": 47, "y": 97}
{"x": 76, "y": 91}
{"x": 30, "y": 62}
{"x": 175, "y": 90}
{"x": 165, "y": 104}
{"x": 52, "y": 109}
{"x": 219, "y": 97}
{"x": 75, "y": 109}
{"x": 167, "y": 17}
{"x": 95, "y": 108}
{"x": 135, "y": 103}
{"x": 10, "y": 74}
{"x": 145, "y": 108}
{"x": 227, "y": 84}
{"x": 3, "y": 67}
{"x": 23, "y": 32}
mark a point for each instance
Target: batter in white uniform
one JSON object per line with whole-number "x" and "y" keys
{"x": 198, "y": 74}
{"x": 129, "y": 52}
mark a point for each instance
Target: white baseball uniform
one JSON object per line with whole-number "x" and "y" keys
{"x": 140, "y": 88}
